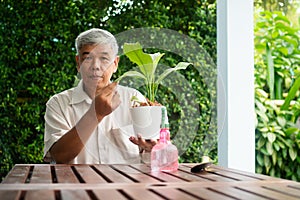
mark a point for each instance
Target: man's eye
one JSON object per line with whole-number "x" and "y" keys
{"x": 104, "y": 58}
{"x": 88, "y": 58}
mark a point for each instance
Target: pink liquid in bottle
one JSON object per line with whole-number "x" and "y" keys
{"x": 164, "y": 155}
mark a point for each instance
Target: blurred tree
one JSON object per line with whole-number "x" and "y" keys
{"x": 290, "y": 8}
{"x": 37, "y": 60}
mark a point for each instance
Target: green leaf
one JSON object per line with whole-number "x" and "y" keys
{"x": 134, "y": 51}
{"x": 284, "y": 153}
{"x": 260, "y": 159}
{"x": 281, "y": 18}
{"x": 267, "y": 163}
{"x": 264, "y": 151}
{"x": 156, "y": 58}
{"x": 284, "y": 50}
{"x": 261, "y": 142}
{"x": 136, "y": 99}
{"x": 274, "y": 158}
{"x": 269, "y": 148}
{"x": 264, "y": 129}
{"x": 291, "y": 94}
{"x": 131, "y": 74}
{"x": 179, "y": 66}
{"x": 291, "y": 130}
{"x": 298, "y": 136}
{"x": 270, "y": 71}
{"x": 279, "y": 161}
{"x": 259, "y": 169}
{"x": 281, "y": 120}
{"x": 293, "y": 153}
{"x": 272, "y": 171}
{"x": 276, "y": 146}
{"x": 271, "y": 137}
{"x": 280, "y": 132}
{"x": 259, "y": 105}
{"x": 263, "y": 116}
{"x": 261, "y": 93}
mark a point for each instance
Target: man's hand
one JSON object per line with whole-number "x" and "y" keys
{"x": 106, "y": 100}
{"x": 143, "y": 144}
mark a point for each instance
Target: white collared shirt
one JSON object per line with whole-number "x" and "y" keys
{"x": 109, "y": 143}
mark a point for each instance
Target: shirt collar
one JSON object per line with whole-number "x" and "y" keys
{"x": 79, "y": 95}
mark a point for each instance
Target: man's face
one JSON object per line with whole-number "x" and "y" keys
{"x": 96, "y": 64}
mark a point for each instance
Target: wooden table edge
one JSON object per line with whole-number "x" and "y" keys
{"x": 104, "y": 186}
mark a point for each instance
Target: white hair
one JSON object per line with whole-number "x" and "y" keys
{"x": 96, "y": 36}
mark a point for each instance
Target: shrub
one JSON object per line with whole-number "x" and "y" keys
{"x": 37, "y": 60}
{"x": 276, "y": 71}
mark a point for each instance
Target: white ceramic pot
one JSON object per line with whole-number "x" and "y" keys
{"x": 146, "y": 121}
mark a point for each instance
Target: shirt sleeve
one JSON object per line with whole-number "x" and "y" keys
{"x": 56, "y": 125}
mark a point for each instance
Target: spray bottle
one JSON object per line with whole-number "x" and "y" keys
{"x": 164, "y": 155}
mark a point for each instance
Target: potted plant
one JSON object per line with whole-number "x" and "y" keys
{"x": 146, "y": 115}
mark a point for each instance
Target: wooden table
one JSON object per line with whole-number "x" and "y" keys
{"x": 43, "y": 181}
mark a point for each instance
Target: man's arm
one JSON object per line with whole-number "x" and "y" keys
{"x": 70, "y": 144}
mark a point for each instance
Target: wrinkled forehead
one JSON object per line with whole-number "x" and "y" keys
{"x": 97, "y": 49}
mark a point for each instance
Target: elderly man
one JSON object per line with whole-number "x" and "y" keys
{"x": 89, "y": 124}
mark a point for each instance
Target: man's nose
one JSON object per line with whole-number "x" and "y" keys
{"x": 96, "y": 65}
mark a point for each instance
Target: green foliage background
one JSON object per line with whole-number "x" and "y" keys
{"x": 37, "y": 60}
{"x": 277, "y": 70}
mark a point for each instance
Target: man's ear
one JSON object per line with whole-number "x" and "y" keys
{"x": 116, "y": 63}
{"x": 77, "y": 62}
